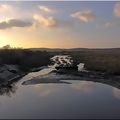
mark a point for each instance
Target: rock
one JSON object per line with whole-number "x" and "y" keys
{"x": 80, "y": 66}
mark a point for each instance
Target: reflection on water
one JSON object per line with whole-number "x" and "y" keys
{"x": 48, "y": 76}
{"x": 81, "y": 99}
{"x": 116, "y": 92}
{"x": 59, "y": 78}
{"x": 8, "y": 89}
{"x": 32, "y": 98}
{"x": 84, "y": 86}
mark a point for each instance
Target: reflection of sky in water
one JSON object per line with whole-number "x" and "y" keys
{"x": 83, "y": 86}
{"x": 116, "y": 93}
{"x": 82, "y": 99}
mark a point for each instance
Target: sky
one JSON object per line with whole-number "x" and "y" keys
{"x": 60, "y": 24}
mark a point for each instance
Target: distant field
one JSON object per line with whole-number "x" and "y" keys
{"x": 103, "y": 60}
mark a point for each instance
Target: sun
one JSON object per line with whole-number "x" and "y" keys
{"x": 3, "y": 41}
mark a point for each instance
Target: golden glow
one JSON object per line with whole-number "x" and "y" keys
{"x": 3, "y": 40}
{"x": 32, "y": 39}
{"x": 59, "y": 26}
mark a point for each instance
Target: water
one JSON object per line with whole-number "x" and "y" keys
{"x": 81, "y": 99}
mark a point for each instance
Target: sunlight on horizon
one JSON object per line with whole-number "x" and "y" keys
{"x": 60, "y": 24}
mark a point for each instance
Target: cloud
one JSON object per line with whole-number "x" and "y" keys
{"x": 6, "y": 11}
{"x": 46, "y": 21}
{"x": 45, "y": 8}
{"x": 14, "y": 11}
{"x": 109, "y": 24}
{"x": 117, "y": 9}
{"x": 14, "y": 23}
{"x": 84, "y": 16}
{"x": 5, "y": 8}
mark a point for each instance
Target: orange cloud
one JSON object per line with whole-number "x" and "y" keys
{"x": 46, "y": 21}
{"x": 45, "y": 8}
{"x": 84, "y": 16}
{"x": 117, "y": 9}
{"x": 5, "y": 8}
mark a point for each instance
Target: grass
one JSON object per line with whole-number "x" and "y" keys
{"x": 102, "y": 61}
{"x": 108, "y": 62}
{"x": 25, "y": 59}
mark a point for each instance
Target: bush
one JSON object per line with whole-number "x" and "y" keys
{"x": 26, "y": 59}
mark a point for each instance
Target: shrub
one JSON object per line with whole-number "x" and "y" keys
{"x": 26, "y": 59}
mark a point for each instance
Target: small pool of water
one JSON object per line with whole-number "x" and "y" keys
{"x": 81, "y": 99}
